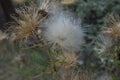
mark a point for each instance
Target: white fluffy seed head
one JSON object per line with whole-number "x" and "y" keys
{"x": 63, "y": 31}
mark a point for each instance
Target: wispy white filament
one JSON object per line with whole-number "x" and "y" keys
{"x": 65, "y": 32}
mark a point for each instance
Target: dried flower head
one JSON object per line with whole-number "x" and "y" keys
{"x": 26, "y": 23}
{"x": 68, "y": 2}
{"x": 64, "y": 32}
{"x": 2, "y": 36}
{"x": 66, "y": 60}
{"x": 114, "y": 27}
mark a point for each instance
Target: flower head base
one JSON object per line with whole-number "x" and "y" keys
{"x": 66, "y": 60}
{"x": 64, "y": 32}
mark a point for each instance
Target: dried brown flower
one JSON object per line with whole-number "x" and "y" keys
{"x": 113, "y": 29}
{"x": 66, "y": 60}
{"x": 26, "y": 23}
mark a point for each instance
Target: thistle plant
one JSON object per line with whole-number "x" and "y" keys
{"x": 65, "y": 36}
{"x": 58, "y": 34}
{"x": 27, "y": 24}
{"x": 111, "y": 35}
{"x": 110, "y": 45}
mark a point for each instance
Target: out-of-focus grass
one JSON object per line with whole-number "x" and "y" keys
{"x": 13, "y": 68}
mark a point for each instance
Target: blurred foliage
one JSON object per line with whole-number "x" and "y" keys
{"x": 95, "y": 15}
{"x": 21, "y": 64}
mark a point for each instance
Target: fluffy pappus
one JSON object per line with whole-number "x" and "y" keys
{"x": 62, "y": 30}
